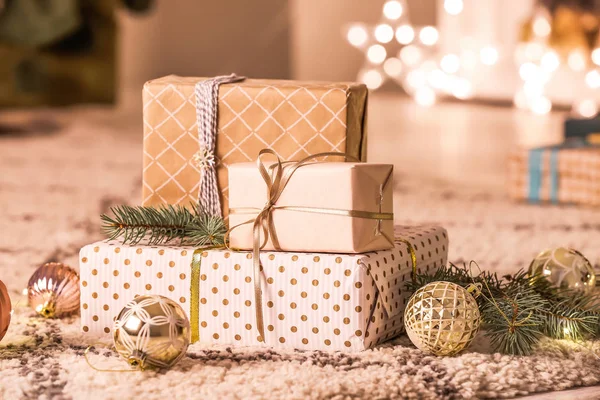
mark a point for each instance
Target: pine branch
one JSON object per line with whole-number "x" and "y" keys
{"x": 519, "y": 310}
{"x": 205, "y": 230}
{"x": 163, "y": 224}
{"x": 460, "y": 275}
{"x": 511, "y": 319}
{"x": 568, "y": 314}
{"x": 574, "y": 316}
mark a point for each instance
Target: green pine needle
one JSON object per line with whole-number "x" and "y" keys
{"x": 572, "y": 316}
{"x": 511, "y": 318}
{"x": 163, "y": 224}
{"x": 518, "y": 310}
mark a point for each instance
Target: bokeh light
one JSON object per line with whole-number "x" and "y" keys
{"x": 405, "y": 34}
{"x": 393, "y": 10}
{"x": 376, "y": 54}
{"x": 429, "y": 35}
{"x": 384, "y": 33}
{"x": 357, "y": 35}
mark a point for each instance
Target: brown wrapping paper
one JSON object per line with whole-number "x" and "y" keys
{"x": 578, "y": 176}
{"x": 295, "y": 119}
{"x": 321, "y": 186}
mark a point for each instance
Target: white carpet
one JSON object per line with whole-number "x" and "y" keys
{"x": 53, "y": 187}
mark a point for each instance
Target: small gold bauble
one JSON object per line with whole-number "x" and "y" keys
{"x": 442, "y": 318}
{"x": 151, "y": 332}
{"x": 53, "y": 290}
{"x": 5, "y": 310}
{"x": 565, "y": 268}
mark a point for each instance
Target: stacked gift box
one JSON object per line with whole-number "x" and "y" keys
{"x": 568, "y": 172}
{"x": 310, "y": 300}
{"x": 313, "y": 260}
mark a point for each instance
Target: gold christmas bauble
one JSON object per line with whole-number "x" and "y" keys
{"x": 53, "y": 290}
{"x": 152, "y": 332}
{"x": 442, "y": 318}
{"x": 565, "y": 268}
{"x": 5, "y": 310}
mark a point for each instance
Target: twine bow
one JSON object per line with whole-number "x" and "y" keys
{"x": 262, "y": 224}
{"x": 207, "y": 99}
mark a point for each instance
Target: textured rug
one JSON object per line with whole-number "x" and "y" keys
{"x": 54, "y": 186}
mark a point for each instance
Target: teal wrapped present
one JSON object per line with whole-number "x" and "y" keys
{"x": 565, "y": 173}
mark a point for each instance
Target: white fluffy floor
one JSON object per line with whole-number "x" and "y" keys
{"x": 53, "y": 187}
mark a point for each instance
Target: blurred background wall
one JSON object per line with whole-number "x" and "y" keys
{"x": 297, "y": 39}
{"x": 205, "y": 38}
{"x": 300, "y": 39}
{"x": 294, "y": 39}
{"x": 319, "y": 48}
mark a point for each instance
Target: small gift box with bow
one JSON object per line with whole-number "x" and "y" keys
{"x": 195, "y": 127}
{"x": 310, "y": 301}
{"x": 333, "y": 207}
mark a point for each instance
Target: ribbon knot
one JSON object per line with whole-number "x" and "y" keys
{"x": 268, "y": 205}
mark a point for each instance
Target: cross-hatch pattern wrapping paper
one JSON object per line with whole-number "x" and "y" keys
{"x": 295, "y": 119}
{"x": 314, "y": 301}
{"x": 578, "y": 176}
{"x": 331, "y": 185}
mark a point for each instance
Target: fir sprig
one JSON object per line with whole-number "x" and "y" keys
{"x": 571, "y": 316}
{"x": 518, "y": 310}
{"x": 511, "y": 318}
{"x": 163, "y": 224}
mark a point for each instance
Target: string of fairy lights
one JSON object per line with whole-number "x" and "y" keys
{"x": 396, "y": 50}
{"x": 538, "y": 63}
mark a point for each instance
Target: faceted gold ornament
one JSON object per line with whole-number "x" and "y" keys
{"x": 53, "y": 290}
{"x": 442, "y": 318}
{"x": 151, "y": 332}
{"x": 565, "y": 268}
{"x": 5, "y": 310}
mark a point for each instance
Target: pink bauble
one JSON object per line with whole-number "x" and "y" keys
{"x": 5, "y": 310}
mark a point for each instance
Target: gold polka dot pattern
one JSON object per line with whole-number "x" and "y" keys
{"x": 310, "y": 301}
{"x": 115, "y": 274}
{"x": 298, "y": 299}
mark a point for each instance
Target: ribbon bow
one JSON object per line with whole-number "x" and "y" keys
{"x": 276, "y": 181}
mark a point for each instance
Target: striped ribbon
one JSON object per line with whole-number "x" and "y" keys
{"x": 207, "y": 99}
{"x": 536, "y": 173}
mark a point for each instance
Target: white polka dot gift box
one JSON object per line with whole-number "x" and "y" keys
{"x": 314, "y": 301}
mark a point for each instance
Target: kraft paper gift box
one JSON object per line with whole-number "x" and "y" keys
{"x": 318, "y": 188}
{"x": 310, "y": 300}
{"x": 566, "y": 173}
{"x": 294, "y": 119}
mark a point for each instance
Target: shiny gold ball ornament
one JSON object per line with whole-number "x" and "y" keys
{"x": 5, "y": 310}
{"x": 442, "y": 318}
{"x": 152, "y": 332}
{"x": 565, "y": 268}
{"x": 53, "y": 290}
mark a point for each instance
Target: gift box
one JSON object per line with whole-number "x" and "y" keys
{"x": 294, "y": 119}
{"x": 310, "y": 300}
{"x": 581, "y": 127}
{"x": 568, "y": 173}
{"x": 333, "y": 207}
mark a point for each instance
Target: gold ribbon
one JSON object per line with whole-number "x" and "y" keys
{"x": 276, "y": 182}
{"x": 195, "y": 294}
{"x": 413, "y": 257}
